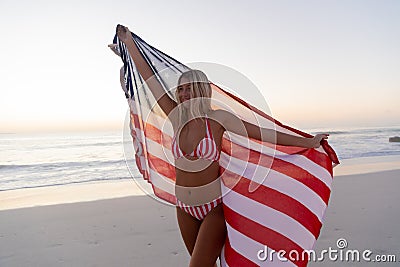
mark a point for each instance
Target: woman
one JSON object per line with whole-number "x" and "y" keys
{"x": 196, "y": 146}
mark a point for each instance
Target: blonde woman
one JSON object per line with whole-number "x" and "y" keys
{"x": 196, "y": 146}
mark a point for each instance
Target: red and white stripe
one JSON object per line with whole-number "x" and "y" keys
{"x": 206, "y": 149}
{"x": 273, "y": 196}
{"x": 199, "y": 211}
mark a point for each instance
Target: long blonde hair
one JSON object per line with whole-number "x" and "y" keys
{"x": 200, "y": 102}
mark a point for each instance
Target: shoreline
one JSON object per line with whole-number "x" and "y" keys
{"x": 140, "y": 231}
{"x": 116, "y": 224}
{"x": 367, "y": 165}
{"x": 66, "y": 194}
{"x": 102, "y": 190}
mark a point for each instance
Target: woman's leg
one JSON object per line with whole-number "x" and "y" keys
{"x": 210, "y": 239}
{"x": 189, "y": 227}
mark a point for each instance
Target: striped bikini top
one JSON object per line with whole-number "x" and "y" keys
{"x": 206, "y": 149}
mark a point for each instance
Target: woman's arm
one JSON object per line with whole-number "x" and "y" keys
{"x": 234, "y": 124}
{"x": 166, "y": 103}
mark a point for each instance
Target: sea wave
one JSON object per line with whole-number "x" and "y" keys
{"x": 60, "y": 165}
{"x": 28, "y": 162}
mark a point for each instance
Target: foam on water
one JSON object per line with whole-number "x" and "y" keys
{"x": 28, "y": 161}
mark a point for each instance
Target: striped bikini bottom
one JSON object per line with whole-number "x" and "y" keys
{"x": 199, "y": 212}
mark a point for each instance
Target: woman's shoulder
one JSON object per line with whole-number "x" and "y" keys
{"x": 218, "y": 114}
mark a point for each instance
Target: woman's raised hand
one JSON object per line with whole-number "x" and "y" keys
{"x": 123, "y": 33}
{"x": 113, "y": 48}
{"x": 315, "y": 142}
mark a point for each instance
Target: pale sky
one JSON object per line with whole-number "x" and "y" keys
{"x": 317, "y": 63}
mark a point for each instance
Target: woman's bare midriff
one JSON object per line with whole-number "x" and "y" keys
{"x": 197, "y": 181}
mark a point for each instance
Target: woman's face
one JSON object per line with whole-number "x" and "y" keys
{"x": 184, "y": 90}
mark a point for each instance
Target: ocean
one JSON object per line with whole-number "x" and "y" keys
{"x": 36, "y": 160}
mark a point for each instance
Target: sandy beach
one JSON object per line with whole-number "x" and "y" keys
{"x": 114, "y": 224}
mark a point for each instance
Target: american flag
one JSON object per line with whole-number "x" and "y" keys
{"x": 274, "y": 196}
